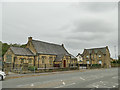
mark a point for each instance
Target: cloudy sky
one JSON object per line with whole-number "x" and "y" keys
{"x": 78, "y": 25}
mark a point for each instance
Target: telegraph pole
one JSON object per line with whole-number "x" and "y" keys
{"x": 115, "y": 51}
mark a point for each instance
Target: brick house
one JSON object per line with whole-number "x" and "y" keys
{"x": 40, "y": 54}
{"x": 97, "y": 56}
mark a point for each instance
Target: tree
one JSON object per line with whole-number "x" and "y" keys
{"x": 4, "y": 47}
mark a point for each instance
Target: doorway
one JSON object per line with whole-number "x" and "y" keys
{"x": 64, "y": 63}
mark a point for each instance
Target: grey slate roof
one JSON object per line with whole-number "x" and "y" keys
{"x": 73, "y": 57}
{"x": 21, "y": 51}
{"x": 48, "y": 48}
{"x": 96, "y": 50}
{"x": 59, "y": 58}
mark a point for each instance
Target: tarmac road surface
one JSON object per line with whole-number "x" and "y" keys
{"x": 95, "y": 78}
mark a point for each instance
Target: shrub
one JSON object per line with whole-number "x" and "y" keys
{"x": 95, "y": 66}
{"x": 31, "y": 68}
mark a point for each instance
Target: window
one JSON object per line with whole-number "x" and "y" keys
{"x": 87, "y": 61}
{"x": 93, "y": 56}
{"x": 100, "y": 62}
{"x": 50, "y": 60}
{"x": 80, "y": 60}
{"x": 9, "y": 58}
{"x": 43, "y": 59}
{"x": 22, "y": 60}
{"x": 66, "y": 58}
{"x": 99, "y": 56}
{"x": 29, "y": 60}
{"x": 87, "y": 56}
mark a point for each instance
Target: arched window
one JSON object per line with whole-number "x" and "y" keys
{"x": 50, "y": 60}
{"x": 43, "y": 59}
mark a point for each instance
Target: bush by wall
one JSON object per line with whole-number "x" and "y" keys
{"x": 95, "y": 66}
{"x": 31, "y": 68}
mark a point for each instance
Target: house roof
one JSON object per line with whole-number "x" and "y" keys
{"x": 21, "y": 51}
{"x": 96, "y": 50}
{"x": 48, "y": 48}
{"x": 80, "y": 55}
{"x": 73, "y": 57}
{"x": 59, "y": 58}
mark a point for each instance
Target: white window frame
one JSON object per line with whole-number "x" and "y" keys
{"x": 100, "y": 61}
{"x": 87, "y": 56}
{"x": 99, "y": 56}
{"x": 88, "y": 62}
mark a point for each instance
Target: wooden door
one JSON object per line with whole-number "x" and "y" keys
{"x": 64, "y": 63}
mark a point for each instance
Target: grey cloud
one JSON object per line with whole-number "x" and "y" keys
{"x": 91, "y": 26}
{"x": 61, "y": 23}
{"x": 81, "y": 44}
{"x": 97, "y": 7}
{"x": 87, "y": 37}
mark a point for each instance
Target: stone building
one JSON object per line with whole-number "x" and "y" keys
{"x": 97, "y": 56}
{"x": 40, "y": 54}
{"x": 79, "y": 58}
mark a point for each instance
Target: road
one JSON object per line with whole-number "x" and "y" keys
{"x": 97, "y": 78}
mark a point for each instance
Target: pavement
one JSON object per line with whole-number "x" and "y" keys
{"x": 95, "y": 78}
{"x": 16, "y": 75}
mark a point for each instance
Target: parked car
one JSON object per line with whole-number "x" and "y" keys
{"x": 2, "y": 75}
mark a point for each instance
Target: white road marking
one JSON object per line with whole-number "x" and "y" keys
{"x": 114, "y": 86}
{"x": 82, "y": 78}
{"x": 22, "y": 85}
{"x": 95, "y": 86}
{"x": 65, "y": 85}
{"x": 101, "y": 81}
{"x": 32, "y": 84}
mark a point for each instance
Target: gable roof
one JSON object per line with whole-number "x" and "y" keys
{"x": 48, "y": 48}
{"x": 21, "y": 51}
{"x": 80, "y": 55}
{"x": 96, "y": 50}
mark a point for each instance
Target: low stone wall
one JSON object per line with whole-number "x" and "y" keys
{"x": 44, "y": 70}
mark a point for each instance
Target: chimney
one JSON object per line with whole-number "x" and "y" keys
{"x": 62, "y": 45}
{"x": 29, "y": 39}
{"x": 106, "y": 46}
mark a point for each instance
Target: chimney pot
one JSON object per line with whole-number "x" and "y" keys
{"x": 29, "y": 38}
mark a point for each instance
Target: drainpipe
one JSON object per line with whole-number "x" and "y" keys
{"x": 38, "y": 61}
{"x": 34, "y": 60}
{"x": 90, "y": 60}
{"x": 34, "y": 64}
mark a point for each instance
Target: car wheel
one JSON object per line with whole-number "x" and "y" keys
{"x": 1, "y": 77}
